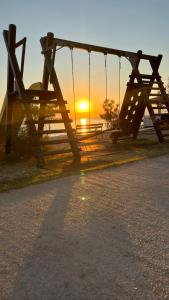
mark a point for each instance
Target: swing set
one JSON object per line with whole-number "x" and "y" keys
{"x": 142, "y": 91}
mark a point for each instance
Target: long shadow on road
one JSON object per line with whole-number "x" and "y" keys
{"x": 83, "y": 249}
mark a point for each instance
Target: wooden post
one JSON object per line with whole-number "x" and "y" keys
{"x": 10, "y": 89}
{"x": 54, "y": 80}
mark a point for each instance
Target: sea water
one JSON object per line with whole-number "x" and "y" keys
{"x": 81, "y": 121}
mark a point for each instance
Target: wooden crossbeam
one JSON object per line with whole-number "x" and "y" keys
{"x": 89, "y": 47}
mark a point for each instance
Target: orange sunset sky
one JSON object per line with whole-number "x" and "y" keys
{"x": 127, "y": 24}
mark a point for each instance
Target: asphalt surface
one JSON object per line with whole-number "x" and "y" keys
{"x": 97, "y": 236}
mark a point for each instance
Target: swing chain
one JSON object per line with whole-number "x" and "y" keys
{"x": 89, "y": 53}
{"x": 119, "y": 82}
{"x": 105, "y": 66}
{"x": 73, "y": 83}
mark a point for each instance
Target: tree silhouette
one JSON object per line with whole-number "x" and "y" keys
{"x": 111, "y": 113}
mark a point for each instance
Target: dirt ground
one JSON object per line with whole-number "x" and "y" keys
{"x": 97, "y": 153}
{"x": 101, "y": 235}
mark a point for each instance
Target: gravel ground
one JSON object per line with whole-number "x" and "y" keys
{"x": 96, "y": 236}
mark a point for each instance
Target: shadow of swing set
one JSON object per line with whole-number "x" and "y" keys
{"x": 142, "y": 91}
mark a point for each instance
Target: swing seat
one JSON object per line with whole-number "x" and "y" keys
{"x": 89, "y": 128}
{"x": 118, "y": 134}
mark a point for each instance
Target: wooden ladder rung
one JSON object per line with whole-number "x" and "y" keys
{"x": 146, "y": 83}
{"x": 158, "y": 101}
{"x": 156, "y": 82}
{"x": 41, "y": 94}
{"x": 161, "y": 114}
{"x": 159, "y": 107}
{"x": 147, "y": 76}
{"x": 155, "y": 88}
{"x": 32, "y": 101}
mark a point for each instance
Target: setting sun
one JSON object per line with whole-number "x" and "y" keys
{"x": 83, "y": 105}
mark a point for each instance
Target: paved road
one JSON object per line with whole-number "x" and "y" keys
{"x": 100, "y": 236}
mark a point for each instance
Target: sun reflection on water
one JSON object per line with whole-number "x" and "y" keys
{"x": 83, "y": 122}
